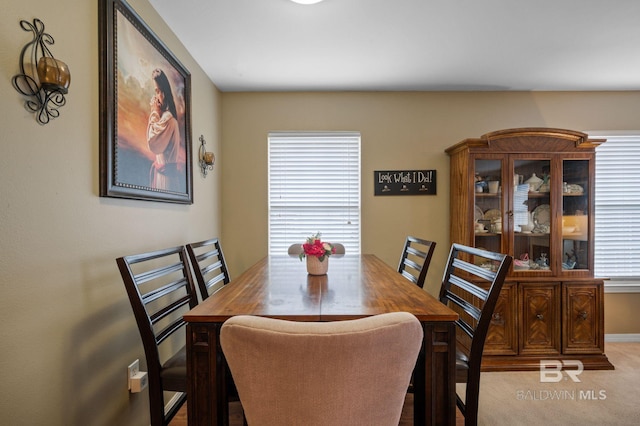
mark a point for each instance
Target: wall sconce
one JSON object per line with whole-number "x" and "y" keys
{"x": 46, "y": 93}
{"x": 207, "y": 159}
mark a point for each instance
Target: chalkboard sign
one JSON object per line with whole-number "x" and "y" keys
{"x": 405, "y": 182}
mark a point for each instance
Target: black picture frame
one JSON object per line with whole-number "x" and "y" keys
{"x": 145, "y": 150}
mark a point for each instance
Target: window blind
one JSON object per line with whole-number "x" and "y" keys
{"x": 617, "y": 201}
{"x": 314, "y": 186}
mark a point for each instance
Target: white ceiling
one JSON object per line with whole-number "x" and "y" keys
{"x": 383, "y": 45}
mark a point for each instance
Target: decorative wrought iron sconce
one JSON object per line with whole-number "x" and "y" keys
{"x": 207, "y": 159}
{"x": 46, "y": 94}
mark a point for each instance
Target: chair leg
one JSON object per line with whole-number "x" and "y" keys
{"x": 471, "y": 402}
{"x": 156, "y": 406}
{"x": 471, "y": 416}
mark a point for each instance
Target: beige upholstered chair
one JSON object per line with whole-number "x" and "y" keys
{"x": 294, "y": 249}
{"x": 352, "y": 372}
{"x": 339, "y": 248}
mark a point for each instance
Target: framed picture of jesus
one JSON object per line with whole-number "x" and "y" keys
{"x": 145, "y": 118}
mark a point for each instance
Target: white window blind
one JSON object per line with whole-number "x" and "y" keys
{"x": 617, "y": 220}
{"x": 314, "y": 186}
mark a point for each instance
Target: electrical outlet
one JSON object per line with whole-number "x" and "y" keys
{"x": 132, "y": 370}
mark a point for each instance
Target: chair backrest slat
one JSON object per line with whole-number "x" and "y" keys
{"x": 465, "y": 285}
{"x": 416, "y": 252}
{"x": 475, "y": 270}
{"x": 410, "y": 277}
{"x": 410, "y": 263}
{"x": 466, "y": 328}
{"x": 163, "y": 334}
{"x": 164, "y": 291}
{"x": 212, "y": 267}
{"x": 167, "y": 310}
{"x": 221, "y": 277}
{"x": 154, "y": 274}
{"x": 208, "y": 254}
{"x": 468, "y": 307}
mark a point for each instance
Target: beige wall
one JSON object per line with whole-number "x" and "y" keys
{"x": 399, "y": 131}
{"x": 66, "y": 327}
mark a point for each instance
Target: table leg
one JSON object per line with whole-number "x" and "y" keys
{"x": 435, "y": 376}
{"x": 207, "y": 400}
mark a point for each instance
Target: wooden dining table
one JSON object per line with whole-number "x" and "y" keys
{"x": 355, "y": 286}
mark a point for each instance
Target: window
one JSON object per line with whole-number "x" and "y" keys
{"x": 617, "y": 199}
{"x": 314, "y": 186}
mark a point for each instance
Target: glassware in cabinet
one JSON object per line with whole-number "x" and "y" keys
{"x": 488, "y": 202}
{"x": 532, "y": 224}
{"x": 575, "y": 215}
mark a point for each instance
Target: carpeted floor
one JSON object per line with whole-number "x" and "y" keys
{"x": 600, "y": 398}
{"x": 519, "y": 398}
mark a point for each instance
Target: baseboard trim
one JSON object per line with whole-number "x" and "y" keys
{"x": 621, "y": 288}
{"x": 622, "y": 338}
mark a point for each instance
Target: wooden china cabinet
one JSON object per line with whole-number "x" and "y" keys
{"x": 529, "y": 192}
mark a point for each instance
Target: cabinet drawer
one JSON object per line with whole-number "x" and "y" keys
{"x": 540, "y": 325}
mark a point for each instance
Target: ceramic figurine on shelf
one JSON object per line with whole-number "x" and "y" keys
{"x": 542, "y": 261}
{"x": 534, "y": 183}
{"x": 546, "y": 183}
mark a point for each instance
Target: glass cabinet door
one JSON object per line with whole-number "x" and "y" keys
{"x": 531, "y": 214}
{"x": 488, "y": 205}
{"x": 575, "y": 219}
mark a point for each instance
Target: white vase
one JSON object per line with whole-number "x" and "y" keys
{"x": 529, "y": 226}
{"x": 315, "y": 267}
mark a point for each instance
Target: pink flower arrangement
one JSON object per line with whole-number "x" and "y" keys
{"x": 316, "y": 247}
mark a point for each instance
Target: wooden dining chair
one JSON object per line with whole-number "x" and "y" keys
{"x": 209, "y": 266}
{"x": 471, "y": 285}
{"x": 351, "y": 372}
{"x": 415, "y": 259}
{"x": 161, "y": 290}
